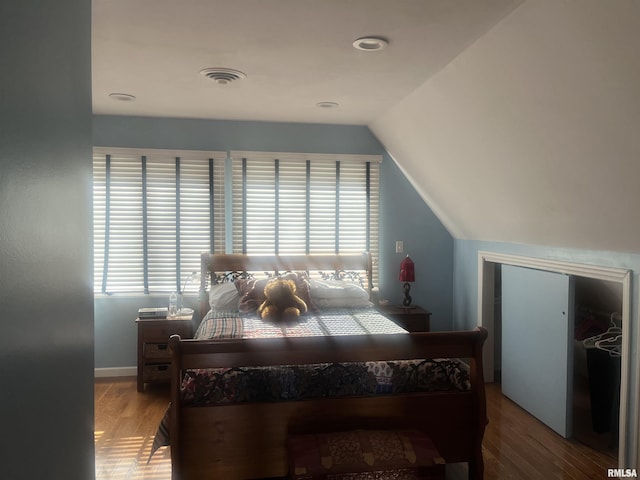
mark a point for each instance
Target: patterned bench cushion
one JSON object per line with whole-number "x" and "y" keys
{"x": 364, "y": 455}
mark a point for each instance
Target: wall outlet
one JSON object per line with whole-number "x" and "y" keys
{"x": 399, "y": 246}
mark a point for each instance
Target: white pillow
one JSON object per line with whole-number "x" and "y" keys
{"x": 331, "y": 289}
{"x": 224, "y": 296}
{"x": 341, "y": 303}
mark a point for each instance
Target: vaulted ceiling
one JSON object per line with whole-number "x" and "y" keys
{"x": 516, "y": 121}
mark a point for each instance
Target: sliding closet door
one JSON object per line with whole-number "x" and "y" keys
{"x": 537, "y": 328}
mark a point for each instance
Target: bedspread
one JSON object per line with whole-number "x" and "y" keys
{"x": 222, "y": 386}
{"x": 327, "y": 322}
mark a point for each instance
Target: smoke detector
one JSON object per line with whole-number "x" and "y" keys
{"x": 223, "y": 76}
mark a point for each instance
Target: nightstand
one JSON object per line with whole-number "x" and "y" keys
{"x": 414, "y": 319}
{"x": 154, "y": 360}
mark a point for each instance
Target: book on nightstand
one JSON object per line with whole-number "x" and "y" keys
{"x": 153, "y": 312}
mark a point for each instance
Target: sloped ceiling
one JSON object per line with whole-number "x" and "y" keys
{"x": 532, "y": 134}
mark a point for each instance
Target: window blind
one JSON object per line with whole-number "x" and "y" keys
{"x": 288, "y": 203}
{"x": 155, "y": 211}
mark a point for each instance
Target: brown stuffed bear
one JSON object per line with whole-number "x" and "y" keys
{"x": 281, "y": 302}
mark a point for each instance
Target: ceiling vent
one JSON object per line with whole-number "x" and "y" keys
{"x": 223, "y": 76}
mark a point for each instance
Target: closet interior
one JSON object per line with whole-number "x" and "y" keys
{"x": 596, "y": 359}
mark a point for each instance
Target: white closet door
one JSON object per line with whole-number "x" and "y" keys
{"x": 537, "y": 332}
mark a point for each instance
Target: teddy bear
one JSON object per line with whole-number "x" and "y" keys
{"x": 282, "y": 302}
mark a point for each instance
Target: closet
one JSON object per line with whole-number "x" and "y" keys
{"x": 557, "y": 342}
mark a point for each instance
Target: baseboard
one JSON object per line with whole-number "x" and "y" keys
{"x": 116, "y": 372}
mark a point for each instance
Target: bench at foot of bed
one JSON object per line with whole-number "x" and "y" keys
{"x": 364, "y": 455}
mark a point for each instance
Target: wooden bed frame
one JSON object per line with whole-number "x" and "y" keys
{"x": 246, "y": 441}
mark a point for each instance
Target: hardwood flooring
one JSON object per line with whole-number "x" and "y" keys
{"x": 125, "y": 424}
{"x": 519, "y": 446}
{"x": 516, "y": 445}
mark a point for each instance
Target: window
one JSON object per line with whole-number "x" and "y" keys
{"x": 289, "y": 203}
{"x": 155, "y": 211}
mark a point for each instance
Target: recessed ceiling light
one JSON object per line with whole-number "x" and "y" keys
{"x": 327, "y": 105}
{"x": 370, "y": 44}
{"x": 123, "y": 97}
{"x": 223, "y": 76}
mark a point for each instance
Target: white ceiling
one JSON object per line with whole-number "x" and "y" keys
{"x": 295, "y": 54}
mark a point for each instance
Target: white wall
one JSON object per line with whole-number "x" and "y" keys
{"x": 46, "y": 303}
{"x": 531, "y": 134}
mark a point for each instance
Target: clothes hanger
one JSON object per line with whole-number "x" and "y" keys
{"x": 613, "y": 345}
{"x": 612, "y": 332}
{"x": 615, "y": 316}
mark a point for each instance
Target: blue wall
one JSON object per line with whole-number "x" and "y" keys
{"x": 46, "y": 300}
{"x": 191, "y": 134}
{"x": 403, "y": 214}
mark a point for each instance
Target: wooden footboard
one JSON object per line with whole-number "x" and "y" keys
{"x": 245, "y": 441}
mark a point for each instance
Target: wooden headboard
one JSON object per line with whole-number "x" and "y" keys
{"x": 212, "y": 264}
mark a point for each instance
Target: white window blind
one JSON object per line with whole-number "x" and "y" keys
{"x": 289, "y": 203}
{"x": 155, "y": 211}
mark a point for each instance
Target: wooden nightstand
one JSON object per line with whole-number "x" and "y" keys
{"x": 415, "y": 319}
{"x": 154, "y": 361}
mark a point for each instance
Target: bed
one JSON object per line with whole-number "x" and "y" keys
{"x": 242, "y": 386}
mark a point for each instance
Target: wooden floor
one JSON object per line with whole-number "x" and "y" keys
{"x": 516, "y": 445}
{"x": 125, "y": 424}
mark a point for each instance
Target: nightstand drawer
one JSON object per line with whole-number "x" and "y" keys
{"x": 164, "y": 331}
{"x": 157, "y": 373}
{"x": 156, "y": 351}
